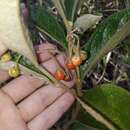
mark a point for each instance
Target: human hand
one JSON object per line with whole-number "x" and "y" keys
{"x": 26, "y": 104}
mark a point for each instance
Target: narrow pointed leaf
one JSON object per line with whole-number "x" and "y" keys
{"x": 61, "y": 10}
{"x": 71, "y": 7}
{"x": 13, "y": 33}
{"x": 112, "y": 102}
{"x": 106, "y": 37}
{"x": 48, "y": 25}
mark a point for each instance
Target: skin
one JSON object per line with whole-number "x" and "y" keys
{"x": 27, "y": 104}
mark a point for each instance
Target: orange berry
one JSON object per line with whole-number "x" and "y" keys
{"x": 70, "y": 65}
{"x": 76, "y": 60}
{"x": 59, "y": 75}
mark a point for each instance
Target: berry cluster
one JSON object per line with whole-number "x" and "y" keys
{"x": 71, "y": 64}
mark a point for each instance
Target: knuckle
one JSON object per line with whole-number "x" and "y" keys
{"x": 5, "y": 101}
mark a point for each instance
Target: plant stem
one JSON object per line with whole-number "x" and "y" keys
{"x": 78, "y": 82}
{"x": 72, "y": 38}
{"x": 59, "y": 7}
{"x": 70, "y": 41}
{"x": 47, "y": 74}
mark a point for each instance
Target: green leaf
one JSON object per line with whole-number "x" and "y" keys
{"x": 112, "y": 102}
{"x": 96, "y": 115}
{"x": 106, "y": 37}
{"x": 87, "y": 119}
{"x": 80, "y": 126}
{"x": 71, "y": 7}
{"x": 61, "y": 10}
{"x": 48, "y": 25}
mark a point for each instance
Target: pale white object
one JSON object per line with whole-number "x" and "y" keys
{"x": 2, "y": 48}
{"x": 13, "y": 33}
{"x": 86, "y": 21}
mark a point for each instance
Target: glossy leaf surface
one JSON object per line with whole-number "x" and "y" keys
{"x": 49, "y": 25}
{"x": 106, "y": 37}
{"x": 112, "y": 102}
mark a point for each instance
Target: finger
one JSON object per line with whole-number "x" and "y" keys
{"x": 10, "y": 118}
{"x": 4, "y": 76}
{"x": 24, "y": 85}
{"x": 51, "y": 66}
{"x": 2, "y": 48}
{"x": 47, "y": 118}
{"x": 24, "y": 11}
{"x": 21, "y": 87}
{"x": 43, "y": 97}
{"x": 38, "y": 101}
{"x": 42, "y": 51}
{"x": 72, "y": 81}
{"x": 45, "y": 46}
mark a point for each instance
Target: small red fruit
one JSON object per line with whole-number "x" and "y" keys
{"x": 70, "y": 65}
{"x": 59, "y": 75}
{"x": 76, "y": 60}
